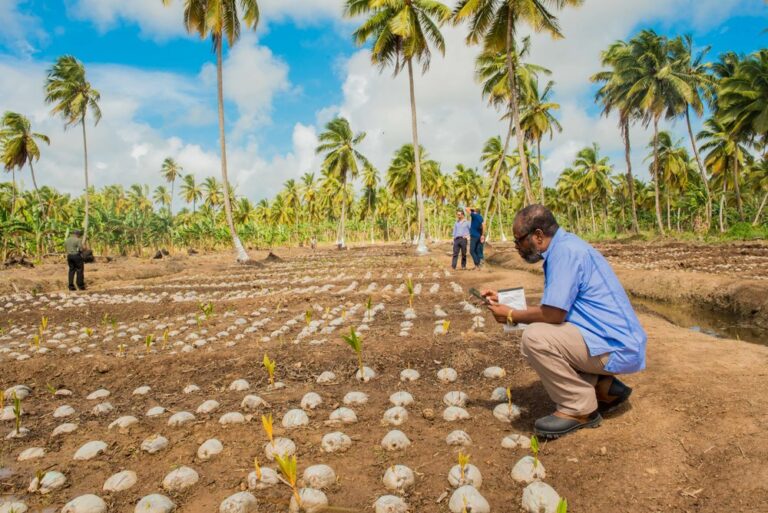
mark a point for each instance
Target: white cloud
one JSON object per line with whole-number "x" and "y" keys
{"x": 161, "y": 22}
{"x": 21, "y": 32}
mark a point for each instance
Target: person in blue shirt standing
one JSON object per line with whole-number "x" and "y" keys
{"x": 585, "y": 330}
{"x": 460, "y": 239}
{"x": 476, "y": 236}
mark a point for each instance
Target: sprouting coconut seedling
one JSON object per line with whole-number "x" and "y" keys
{"x": 207, "y": 309}
{"x": 409, "y": 286}
{"x": 464, "y": 508}
{"x": 344, "y": 314}
{"x": 270, "y": 366}
{"x": 199, "y": 321}
{"x": 148, "y": 341}
{"x": 2, "y": 398}
{"x": 535, "y": 450}
{"x": 51, "y": 389}
{"x": 105, "y": 319}
{"x": 266, "y": 423}
{"x": 308, "y": 317}
{"x": 257, "y": 468}
{"x": 89, "y": 332}
{"x": 114, "y": 323}
{"x": 369, "y": 305}
{"x": 562, "y": 506}
{"x": 17, "y": 411}
{"x": 509, "y": 398}
{"x": 36, "y": 341}
{"x": 121, "y": 350}
{"x": 287, "y": 467}
{"x": 463, "y": 462}
{"x": 165, "y": 339}
{"x": 354, "y": 341}
{"x": 446, "y": 325}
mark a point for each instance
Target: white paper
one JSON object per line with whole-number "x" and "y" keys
{"x": 515, "y": 299}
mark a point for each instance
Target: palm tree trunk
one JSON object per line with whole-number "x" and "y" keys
{"x": 242, "y": 256}
{"x": 630, "y": 178}
{"x": 678, "y": 219}
{"x": 656, "y": 174}
{"x": 87, "y": 185}
{"x": 342, "y": 219}
{"x": 503, "y": 237}
{"x": 736, "y": 187}
{"x": 541, "y": 171}
{"x": 170, "y": 207}
{"x": 702, "y": 173}
{"x": 669, "y": 210}
{"x": 421, "y": 247}
{"x": 512, "y": 78}
{"x": 760, "y": 210}
{"x": 497, "y": 169}
{"x": 722, "y": 206}
{"x": 605, "y": 217}
{"x": 13, "y": 192}
{"x": 592, "y": 210}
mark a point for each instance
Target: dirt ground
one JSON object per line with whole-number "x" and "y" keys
{"x": 692, "y": 440}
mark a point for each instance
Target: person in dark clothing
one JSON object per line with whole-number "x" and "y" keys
{"x": 476, "y": 237}
{"x": 460, "y": 239}
{"x": 74, "y": 246}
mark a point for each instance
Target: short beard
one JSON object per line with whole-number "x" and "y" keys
{"x": 533, "y": 257}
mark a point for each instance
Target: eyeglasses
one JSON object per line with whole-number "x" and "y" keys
{"x": 519, "y": 240}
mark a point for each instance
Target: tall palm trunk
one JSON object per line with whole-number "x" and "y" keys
{"x": 541, "y": 171}
{"x": 512, "y": 78}
{"x": 340, "y": 234}
{"x": 630, "y": 178}
{"x": 702, "y": 173}
{"x": 421, "y": 247}
{"x": 760, "y": 210}
{"x": 656, "y": 174}
{"x": 497, "y": 168}
{"x": 13, "y": 192}
{"x": 736, "y": 187}
{"x": 170, "y": 207}
{"x": 592, "y": 210}
{"x": 722, "y": 206}
{"x": 605, "y": 217}
{"x": 669, "y": 210}
{"x": 242, "y": 256}
{"x": 87, "y": 185}
{"x": 501, "y": 222}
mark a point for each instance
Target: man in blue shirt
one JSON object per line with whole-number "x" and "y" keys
{"x": 585, "y": 330}
{"x": 476, "y": 236}
{"x": 460, "y": 239}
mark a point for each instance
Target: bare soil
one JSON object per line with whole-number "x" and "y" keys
{"x": 692, "y": 440}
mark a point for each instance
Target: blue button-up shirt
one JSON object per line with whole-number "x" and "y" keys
{"x": 476, "y": 227}
{"x": 461, "y": 229}
{"x": 579, "y": 280}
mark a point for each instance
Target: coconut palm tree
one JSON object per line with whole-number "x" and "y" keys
{"x": 698, "y": 75}
{"x": 537, "y": 120}
{"x": 370, "y": 195}
{"x": 190, "y": 191}
{"x": 467, "y": 185}
{"x": 614, "y": 95}
{"x": 402, "y": 31}
{"x": 743, "y": 101}
{"x": 495, "y": 23}
{"x": 219, "y": 20}
{"x": 171, "y": 170}
{"x": 725, "y": 152}
{"x": 162, "y": 197}
{"x": 309, "y": 195}
{"x": 18, "y": 147}
{"x": 595, "y": 177}
{"x": 758, "y": 180}
{"x": 674, "y": 164}
{"x": 72, "y": 96}
{"x": 213, "y": 193}
{"x": 342, "y": 160}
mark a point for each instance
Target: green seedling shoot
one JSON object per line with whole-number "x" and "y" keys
{"x": 17, "y": 411}
{"x": 121, "y": 349}
{"x": 446, "y": 325}
{"x": 89, "y": 332}
{"x": 2, "y": 398}
{"x": 148, "y": 341}
{"x": 509, "y": 398}
{"x": 287, "y": 467}
{"x": 266, "y": 423}
{"x": 51, "y": 388}
{"x": 354, "y": 341}
{"x": 36, "y": 341}
{"x": 165, "y": 339}
{"x": 105, "y": 319}
{"x": 535, "y": 450}
{"x": 207, "y": 309}
{"x": 308, "y": 317}
{"x": 369, "y": 305}
{"x": 409, "y": 286}
{"x": 463, "y": 462}
{"x": 562, "y": 506}
{"x": 270, "y": 366}
{"x": 257, "y": 468}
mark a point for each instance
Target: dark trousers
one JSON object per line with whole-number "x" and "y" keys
{"x": 459, "y": 244}
{"x": 76, "y": 267}
{"x": 476, "y": 250}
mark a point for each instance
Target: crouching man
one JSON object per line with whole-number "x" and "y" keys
{"x": 585, "y": 330}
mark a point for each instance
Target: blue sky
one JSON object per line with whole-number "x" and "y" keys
{"x": 299, "y": 70}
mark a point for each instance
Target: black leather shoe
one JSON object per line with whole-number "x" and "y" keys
{"x": 619, "y": 391}
{"x": 72, "y": 287}
{"x": 552, "y": 426}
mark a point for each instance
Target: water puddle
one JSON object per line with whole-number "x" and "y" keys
{"x": 702, "y": 320}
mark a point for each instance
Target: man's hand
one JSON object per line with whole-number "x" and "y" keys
{"x": 492, "y": 295}
{"x": 482, "y": 239}
{"x": 500, "y": 312}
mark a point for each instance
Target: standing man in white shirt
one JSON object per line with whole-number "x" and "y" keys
{"x": 460, "y": 240}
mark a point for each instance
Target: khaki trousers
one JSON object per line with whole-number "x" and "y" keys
{"x": 559, "y": 355}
